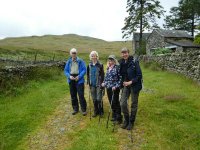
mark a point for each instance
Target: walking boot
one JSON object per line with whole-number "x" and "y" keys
{"x": 119, "y": 119}
{"x": 100, "y": 108}
{"x": 102, "y": 111}
{"x": 131, "y": 120}
{"x": 125, "y": 123}
{"x": 96, "y": 109}
{"x": 74, "y": 112}
{"x": 130, "y": 125}
{"x": 113, "y": 116}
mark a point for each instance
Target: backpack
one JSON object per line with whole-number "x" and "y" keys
{"x": 135, "y": 60}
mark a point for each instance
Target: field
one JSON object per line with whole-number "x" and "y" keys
{"x": 39, "y": 116}
{"x": 25, "y": 48}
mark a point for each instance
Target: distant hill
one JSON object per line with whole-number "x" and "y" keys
{"x": 84, "y": 44}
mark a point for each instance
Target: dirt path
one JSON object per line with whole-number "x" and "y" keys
{"x": 57, "y": 132}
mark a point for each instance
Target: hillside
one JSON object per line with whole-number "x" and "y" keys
{"x": 61, "y": 43}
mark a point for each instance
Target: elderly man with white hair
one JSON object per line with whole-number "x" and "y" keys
{"x": 95, "y": 77}
{"x": 75, "y": 69}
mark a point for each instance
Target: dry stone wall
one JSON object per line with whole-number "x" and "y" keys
{"x": 186, "y": 63}
{"x": 22, "y": 71}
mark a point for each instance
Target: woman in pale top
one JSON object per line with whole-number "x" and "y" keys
{"x": 95, "y": 77}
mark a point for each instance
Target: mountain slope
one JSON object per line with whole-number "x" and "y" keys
{"x": 62, "y": 42}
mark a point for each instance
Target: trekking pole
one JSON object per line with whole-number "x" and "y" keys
{"x": 90, "y": 104}
{"x": 100, "y": 111}
{"x": 131, "y": 136}
{"x": 110, "y": 109}
{"x": 113, "y": 126}
{"x": 101, "y": 104}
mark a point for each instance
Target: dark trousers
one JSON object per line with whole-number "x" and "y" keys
{"x": 114, "y": 99}
{"x": 74, "y": 89}
{"x": 126, "y": 92}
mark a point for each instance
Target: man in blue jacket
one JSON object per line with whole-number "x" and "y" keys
{"x": 131, "y": 85}
{"x": 75, "y": 69}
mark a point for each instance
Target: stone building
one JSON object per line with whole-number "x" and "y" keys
{"x": 136, "y": 39}
{"x": 176, "y": 40}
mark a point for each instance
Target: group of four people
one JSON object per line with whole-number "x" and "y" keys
{"x": 124, "y": 75}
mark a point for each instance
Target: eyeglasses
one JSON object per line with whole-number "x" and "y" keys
{"x": 74, "y": 53}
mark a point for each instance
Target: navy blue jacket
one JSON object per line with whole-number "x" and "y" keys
{"x": 133, "y": 73}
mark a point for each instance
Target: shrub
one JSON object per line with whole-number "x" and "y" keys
{"x": 162, "y": 51}
{"x": 197, "y": 39}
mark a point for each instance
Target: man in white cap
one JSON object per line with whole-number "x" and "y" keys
{"x": 75, "y": 69}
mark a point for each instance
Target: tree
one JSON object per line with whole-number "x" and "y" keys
{"x": 142, "y": 15}
{"x": 184, "y": 17}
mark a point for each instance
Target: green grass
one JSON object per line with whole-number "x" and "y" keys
{"x": 94, "y": 137}
{"x": 169, "y": 111}
{"x": 22, "y": 114}
{"x": 168, "y": 115}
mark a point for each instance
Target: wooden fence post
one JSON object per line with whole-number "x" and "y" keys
{"x": 53, "y": 56}
{"x": 35, "y": 57}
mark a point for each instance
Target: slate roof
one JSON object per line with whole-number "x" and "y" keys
{"x": 183, "y": 43}
{"x": 173, "y": 33}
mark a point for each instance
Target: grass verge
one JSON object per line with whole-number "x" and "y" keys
{"x": 22, "y": 114}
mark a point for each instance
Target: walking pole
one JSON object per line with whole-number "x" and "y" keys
{"x": 114, "y": 126}
{"x": 131, "y": 136}
{"x": 100, "y": 111}
{"x": 101, "y": 104}
{"x": 110, "y": 110}
{"x": 89, "y": 103}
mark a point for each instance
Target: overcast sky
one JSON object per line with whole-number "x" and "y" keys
{"x": 96, "y": 18}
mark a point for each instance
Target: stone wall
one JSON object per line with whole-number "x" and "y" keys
{"x": 22, "y": 71}
{"x": 186, "y": 63}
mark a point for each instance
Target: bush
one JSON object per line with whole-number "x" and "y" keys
{"x": 197, "y": 39}
{"x": 162, "y": 51}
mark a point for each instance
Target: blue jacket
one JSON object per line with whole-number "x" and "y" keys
{"x": 81, "y": 68}
{"x": 99, "y": 74}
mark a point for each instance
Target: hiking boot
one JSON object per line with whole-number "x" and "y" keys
{"x": 130, "y": 126}
{"x": 84, "y": 113}
{"x": 74, "y": 112}
{"x": 119, "y": 121}
{"x": 96, "y": 109}
{"x": 125, "y": 123}
{"x": 101, "y": 114}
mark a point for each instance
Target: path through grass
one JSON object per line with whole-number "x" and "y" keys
{"x": 168, "y": 118}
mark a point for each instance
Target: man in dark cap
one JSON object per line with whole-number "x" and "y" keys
{"x": 131, "y": 85}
